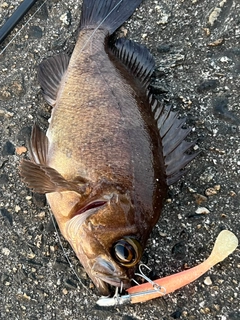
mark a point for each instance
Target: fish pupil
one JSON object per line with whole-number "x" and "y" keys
{"x": 124, "y": 252}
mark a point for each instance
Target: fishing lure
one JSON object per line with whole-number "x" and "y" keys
{"x": 225, "y": 244}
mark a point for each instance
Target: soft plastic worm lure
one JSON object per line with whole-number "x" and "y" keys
{"x": 225, "y": 244}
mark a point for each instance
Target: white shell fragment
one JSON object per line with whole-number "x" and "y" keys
{"x": 207, "y": 281}
{"x": 202, "y": 210}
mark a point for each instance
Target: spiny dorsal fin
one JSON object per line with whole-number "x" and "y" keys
{"x": 38, "y": 146}
{"x": 50, "y": 74}
{"x": 43, "y": 179}
{"x": 136, "y": 58}
{"x": 173, "y": 144}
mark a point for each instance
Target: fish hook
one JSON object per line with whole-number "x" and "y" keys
{"x": 129, "y": 298}
{"x": 155, "y": 286}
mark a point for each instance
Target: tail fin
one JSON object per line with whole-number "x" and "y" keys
{"x": 107, "y": 14}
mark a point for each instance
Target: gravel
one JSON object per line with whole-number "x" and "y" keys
{"x": 197, "y": 52}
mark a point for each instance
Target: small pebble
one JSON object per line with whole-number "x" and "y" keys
{"x": 54, "y": 248}
{"x": 4, "y": 5}
{"x": 38, "y": 240}
{"x": 26, "y": 297}
{"x": 91, "y": 285}
{"x": 21, "y": 150}
{"x": 162, "y": 234}
{"x": 164, "y": 48}
{"x": 6, "y": 251}
{"x": 207, "y": 31}
{"x": 66, "y": 18}
{"x": 31, "y": 255}
{"x": 7, "y": 215}
{"x": 65, "y": 291}
{"x": 41, "y": 215}
{"x": 214, "y": 15}
{"x": 207, "y": 281}
{"x": 3, "y": 179}
{"x": 8, "y": 149}
{"x": 199, "y": 198}
{"x": 2, "y": 113}
{"x": 202, "y": 210}
{"x": 207, "y": 85}
{"x": 35, "y": 32}
{"x": 216, "y": 42}
{"x": 210, "y": 192}
{"x": 17, "y": 208}
{"x": 123, "y": 31}
{"x": 39, "y": 200}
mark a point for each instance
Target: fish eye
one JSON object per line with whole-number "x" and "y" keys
{"x": 127, "y": 251}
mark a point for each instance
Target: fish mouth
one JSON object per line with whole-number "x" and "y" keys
{"x": 114, "y": 281}
{"x": 104, "y": 282}
{"x": 107, "y": 273}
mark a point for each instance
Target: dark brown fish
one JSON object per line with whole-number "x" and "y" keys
{"x": 111, "y": 149}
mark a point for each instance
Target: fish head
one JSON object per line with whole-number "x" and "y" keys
{"x": 106, "y": 239}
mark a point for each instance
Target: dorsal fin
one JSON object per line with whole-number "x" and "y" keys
{"x": 136, "y": 58}
{"x": 173, "y": 144}
{"x": 50, "y": 74}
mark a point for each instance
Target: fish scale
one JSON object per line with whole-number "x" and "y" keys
{"x": 110, "y": 125}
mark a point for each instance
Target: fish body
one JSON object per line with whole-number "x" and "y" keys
{"x": 111, "y": 149}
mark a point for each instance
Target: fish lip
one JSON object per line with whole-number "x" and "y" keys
{"x": 103, "y": 283}
{"x": 105, "y": 271}
{"x": 114, "y": 281}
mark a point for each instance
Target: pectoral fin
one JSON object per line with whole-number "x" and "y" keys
{"x": 38, "y": 146}
{"x": 43, "y": 179}
{"x": 38, "y": 175}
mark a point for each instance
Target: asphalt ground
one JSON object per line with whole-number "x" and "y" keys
{"x": 197, "y": 52}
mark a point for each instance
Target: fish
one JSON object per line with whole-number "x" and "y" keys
{"x": 111, "y": 149}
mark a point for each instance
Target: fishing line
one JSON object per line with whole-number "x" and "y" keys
{"x": 23, "y": 27}
{"x": 96, "y": 29}
{"x": 65, "y": 254}
{"x": 93, "y": 33}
